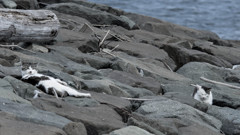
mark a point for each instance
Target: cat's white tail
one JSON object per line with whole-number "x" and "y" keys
{"x": 75, "y": 93}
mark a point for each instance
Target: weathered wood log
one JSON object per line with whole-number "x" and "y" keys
{"x": 28, "y": 25}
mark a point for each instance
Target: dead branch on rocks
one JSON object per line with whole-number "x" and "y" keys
{"x": 104, "y": 38}
{"x": 107, "y": 51}
{"x": 139, "y": 99}
{"x": 220, "y": 83}
{"x": 167, "y": 66}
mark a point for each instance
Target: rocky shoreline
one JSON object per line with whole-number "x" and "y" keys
{"x": 113, "y": 54}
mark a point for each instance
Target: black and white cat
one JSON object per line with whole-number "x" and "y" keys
{"x": 203, "y": 94}
{"x": 50, "y": 85}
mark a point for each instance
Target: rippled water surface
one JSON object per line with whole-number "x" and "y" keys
{"x": 219, "y": 16}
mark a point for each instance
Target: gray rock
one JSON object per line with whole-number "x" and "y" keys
{"x": 166, "y": 108}
{"x": 222, "y": 95}
{"x": 7, "y": 92}
{"x": 88, "y": 4}
{"x": 130, "y": 130}
{"x": 9, "y": 4}
{"x": 114, "y": 88}
{"x": 229, "y": 117}
{"x": 183, "y": 55}
{"x": 82, "y": 102}
{"x": 142, "y": 50}
{"x": 28, "y": 113}
{"x": 75, "y": 25}
{"x": 24, "y": 90}
{"x": 229, "y": 54}
{"x": 161, "y": 27}
{"x": 9, "y": 125}
{"x": 113, "y": 101}
{"x": 131, "y": 23}
{"x": 76, "y": 56}
{"x": 143, "y": 125}
{"x": 132, "y": 64}
{"x": 97, "y": 120}
{"x": 27, "y": 4}
{"x": 133, "y": 80}
{"x": 90, "y": 14}
{"x": 75, "y": 129}
{"x": 104, "y": 86}
{"x": 13, "y": 71}
{"x": 171, "y": 126}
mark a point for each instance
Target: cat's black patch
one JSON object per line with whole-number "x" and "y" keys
{"x": 51, "y": 91}
{"x": 194, "y": 92}
{"x": 41, "y": 87}
{"x": 206, "y": 89}
{"x": 34, "y": 80}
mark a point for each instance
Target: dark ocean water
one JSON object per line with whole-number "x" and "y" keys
{"x": 219, "y": 16}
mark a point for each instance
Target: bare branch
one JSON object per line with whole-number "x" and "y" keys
{"x": 104, "y": 38}
{"x": 220, "y": 83}
{"x": 114, "y": 48}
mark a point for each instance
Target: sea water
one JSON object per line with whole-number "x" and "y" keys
{"x": 219, "y": 16}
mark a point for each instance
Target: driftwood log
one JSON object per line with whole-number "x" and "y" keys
{"x": 28, "y": 25}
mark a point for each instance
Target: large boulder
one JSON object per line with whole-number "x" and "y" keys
{"x": 133, "y": 80}
{"x": 165, "y": 110}
{"x": 79, "y": 57}
{"x": 183, "y": 55}
{"x": 134, "y": 65}
{"x": 12, "y": 126}
{"x": 24, "y": 90}
{"x": 92, "y": 15}
{"x": 75, "y": 128}
{"x": 222, "y": 95}
{"x": 114, "y": 88}
{"x": 161, "y": 27}
{"x": 8, "y": 92}
{"x": 29, "y": 113}
{"x": 229, "y": 117}
{"x": 130, "y": 130}
{"x": 97, "y": 120}
{"x": 227, "y": 53}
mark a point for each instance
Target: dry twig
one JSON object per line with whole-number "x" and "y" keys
{"x": 139, "y": 99}
{"x": 114, "y": 48}
{"x": 167, "y": 66}
{"x": 104, "y": 38}
{"x": 220, "y": 83}
{"x": 108, "y": 52}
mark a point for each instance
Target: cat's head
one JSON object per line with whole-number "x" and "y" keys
{"x": 29, "y": 71}
{"x": 203, "y": 92}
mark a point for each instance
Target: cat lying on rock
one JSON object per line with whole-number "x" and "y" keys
{"x": 50, "y": 85}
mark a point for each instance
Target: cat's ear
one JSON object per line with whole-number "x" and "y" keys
{"x": 207, "y": 89}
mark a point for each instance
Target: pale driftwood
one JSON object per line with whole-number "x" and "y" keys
{"x": 28, "y": 25}
{"x": 107, "y": 51}
{"x": 104, "y": 38}
{"x": 114, "y": 48}
{"x": 167, "y": 66}
{"x": 139, "y": 99}
{"x": 220, "y": 83}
